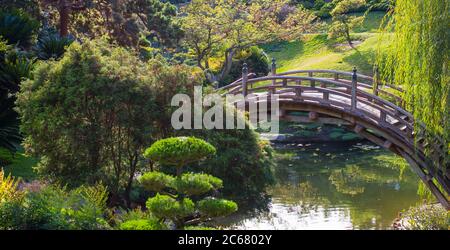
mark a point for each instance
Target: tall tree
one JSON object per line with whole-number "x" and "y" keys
{"x": 418, "y": 58}
{"x": 65, "y": 9}
{"x": 222, "y": 28}
{"x": 343, "y": 22}
{"x": 123, "y": 21}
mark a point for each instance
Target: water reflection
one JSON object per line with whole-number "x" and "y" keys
{"x": 333, "y": 186}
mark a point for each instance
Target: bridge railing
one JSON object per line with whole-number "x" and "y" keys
{"x": 336, "y": 93}
{"x": 370, "y": 84}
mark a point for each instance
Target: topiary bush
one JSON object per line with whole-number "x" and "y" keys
{"x": 156, "y": 181}
{"x": 174, "y": 204}
{"x": 196, "y": 184}
{"x": 166, "y": 207}
{"x": 179, "y": 151}
{"x": 211, "y": 207}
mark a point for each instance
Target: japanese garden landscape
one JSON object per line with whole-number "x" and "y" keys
{"x": 107, "y": 121}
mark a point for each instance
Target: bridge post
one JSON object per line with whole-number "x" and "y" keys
{"x": 376, "y": 81}
{"x": 313, "y": 83}
{"x": 273, "y": 70}
{"x": 244, "y": 79}
{"x": 354, "y": 88}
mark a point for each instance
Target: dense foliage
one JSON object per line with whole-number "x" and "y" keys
{"x": 51, "y": 207}
{"x": 426, "y": 217}
{"x": 14, "y": 66}
{"x": 417, "y": 59}
{"x": 224, "y": 28}
{"x": 323, "y": 8}
{"x": 83, "y": 115}
{"x": 93, "y": 82}
{"x": 123, "y": 21}
{"x": 257, "y": 60}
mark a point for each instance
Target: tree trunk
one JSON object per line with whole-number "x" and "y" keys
{"x": 349, "y": 39}
{"x": 225, "y": 68}
{"x": 64, "y": 13}
{"x": 227, "y": 64}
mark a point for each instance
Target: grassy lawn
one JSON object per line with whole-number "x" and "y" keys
{"x": 318, "y": 52}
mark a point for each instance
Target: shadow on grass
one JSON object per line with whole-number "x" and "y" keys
{"x": 363, "y": 60}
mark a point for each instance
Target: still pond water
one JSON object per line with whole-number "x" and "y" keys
{"x": 351, "y": 185}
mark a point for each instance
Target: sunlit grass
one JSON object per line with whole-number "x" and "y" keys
{"x": 316, "y": 51}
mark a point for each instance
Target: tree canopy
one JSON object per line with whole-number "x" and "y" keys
{"x": 222, "y": 28}
{"x": 417, "y": 59}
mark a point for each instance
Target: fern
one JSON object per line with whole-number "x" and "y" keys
{"x": 8, "y": 188}
{"x": 96, "y": 195}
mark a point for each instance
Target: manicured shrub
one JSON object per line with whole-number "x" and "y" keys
{"x": 242, "y": 160}
{"x": 216, "y": 207}
{"x": 155, "y": 181}
{"x": 196, "y": 184}
{"x": 164, "y": 206}
{"x": 174, "y": 205}
{"x": 179, "y": 151}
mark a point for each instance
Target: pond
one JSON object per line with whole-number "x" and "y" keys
{"x": 333, "y": 185}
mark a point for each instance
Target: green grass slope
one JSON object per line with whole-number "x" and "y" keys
{"x": 318, "y": 52}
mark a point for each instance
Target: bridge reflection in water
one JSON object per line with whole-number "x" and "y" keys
{"x": 332, "y": 185}
{"x": 362, "y": 103}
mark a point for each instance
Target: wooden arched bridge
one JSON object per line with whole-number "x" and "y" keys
{"x": 364, "y": 104}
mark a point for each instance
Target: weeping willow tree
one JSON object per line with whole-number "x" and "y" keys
{"x": 417, "y": 58}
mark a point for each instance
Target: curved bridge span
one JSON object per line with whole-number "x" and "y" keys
{"x": 363, "y": 104}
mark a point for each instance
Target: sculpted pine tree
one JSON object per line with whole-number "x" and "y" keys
{"x": 173, "y": 201}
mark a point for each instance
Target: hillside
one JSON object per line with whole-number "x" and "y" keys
{"x": 318, "y": 52}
